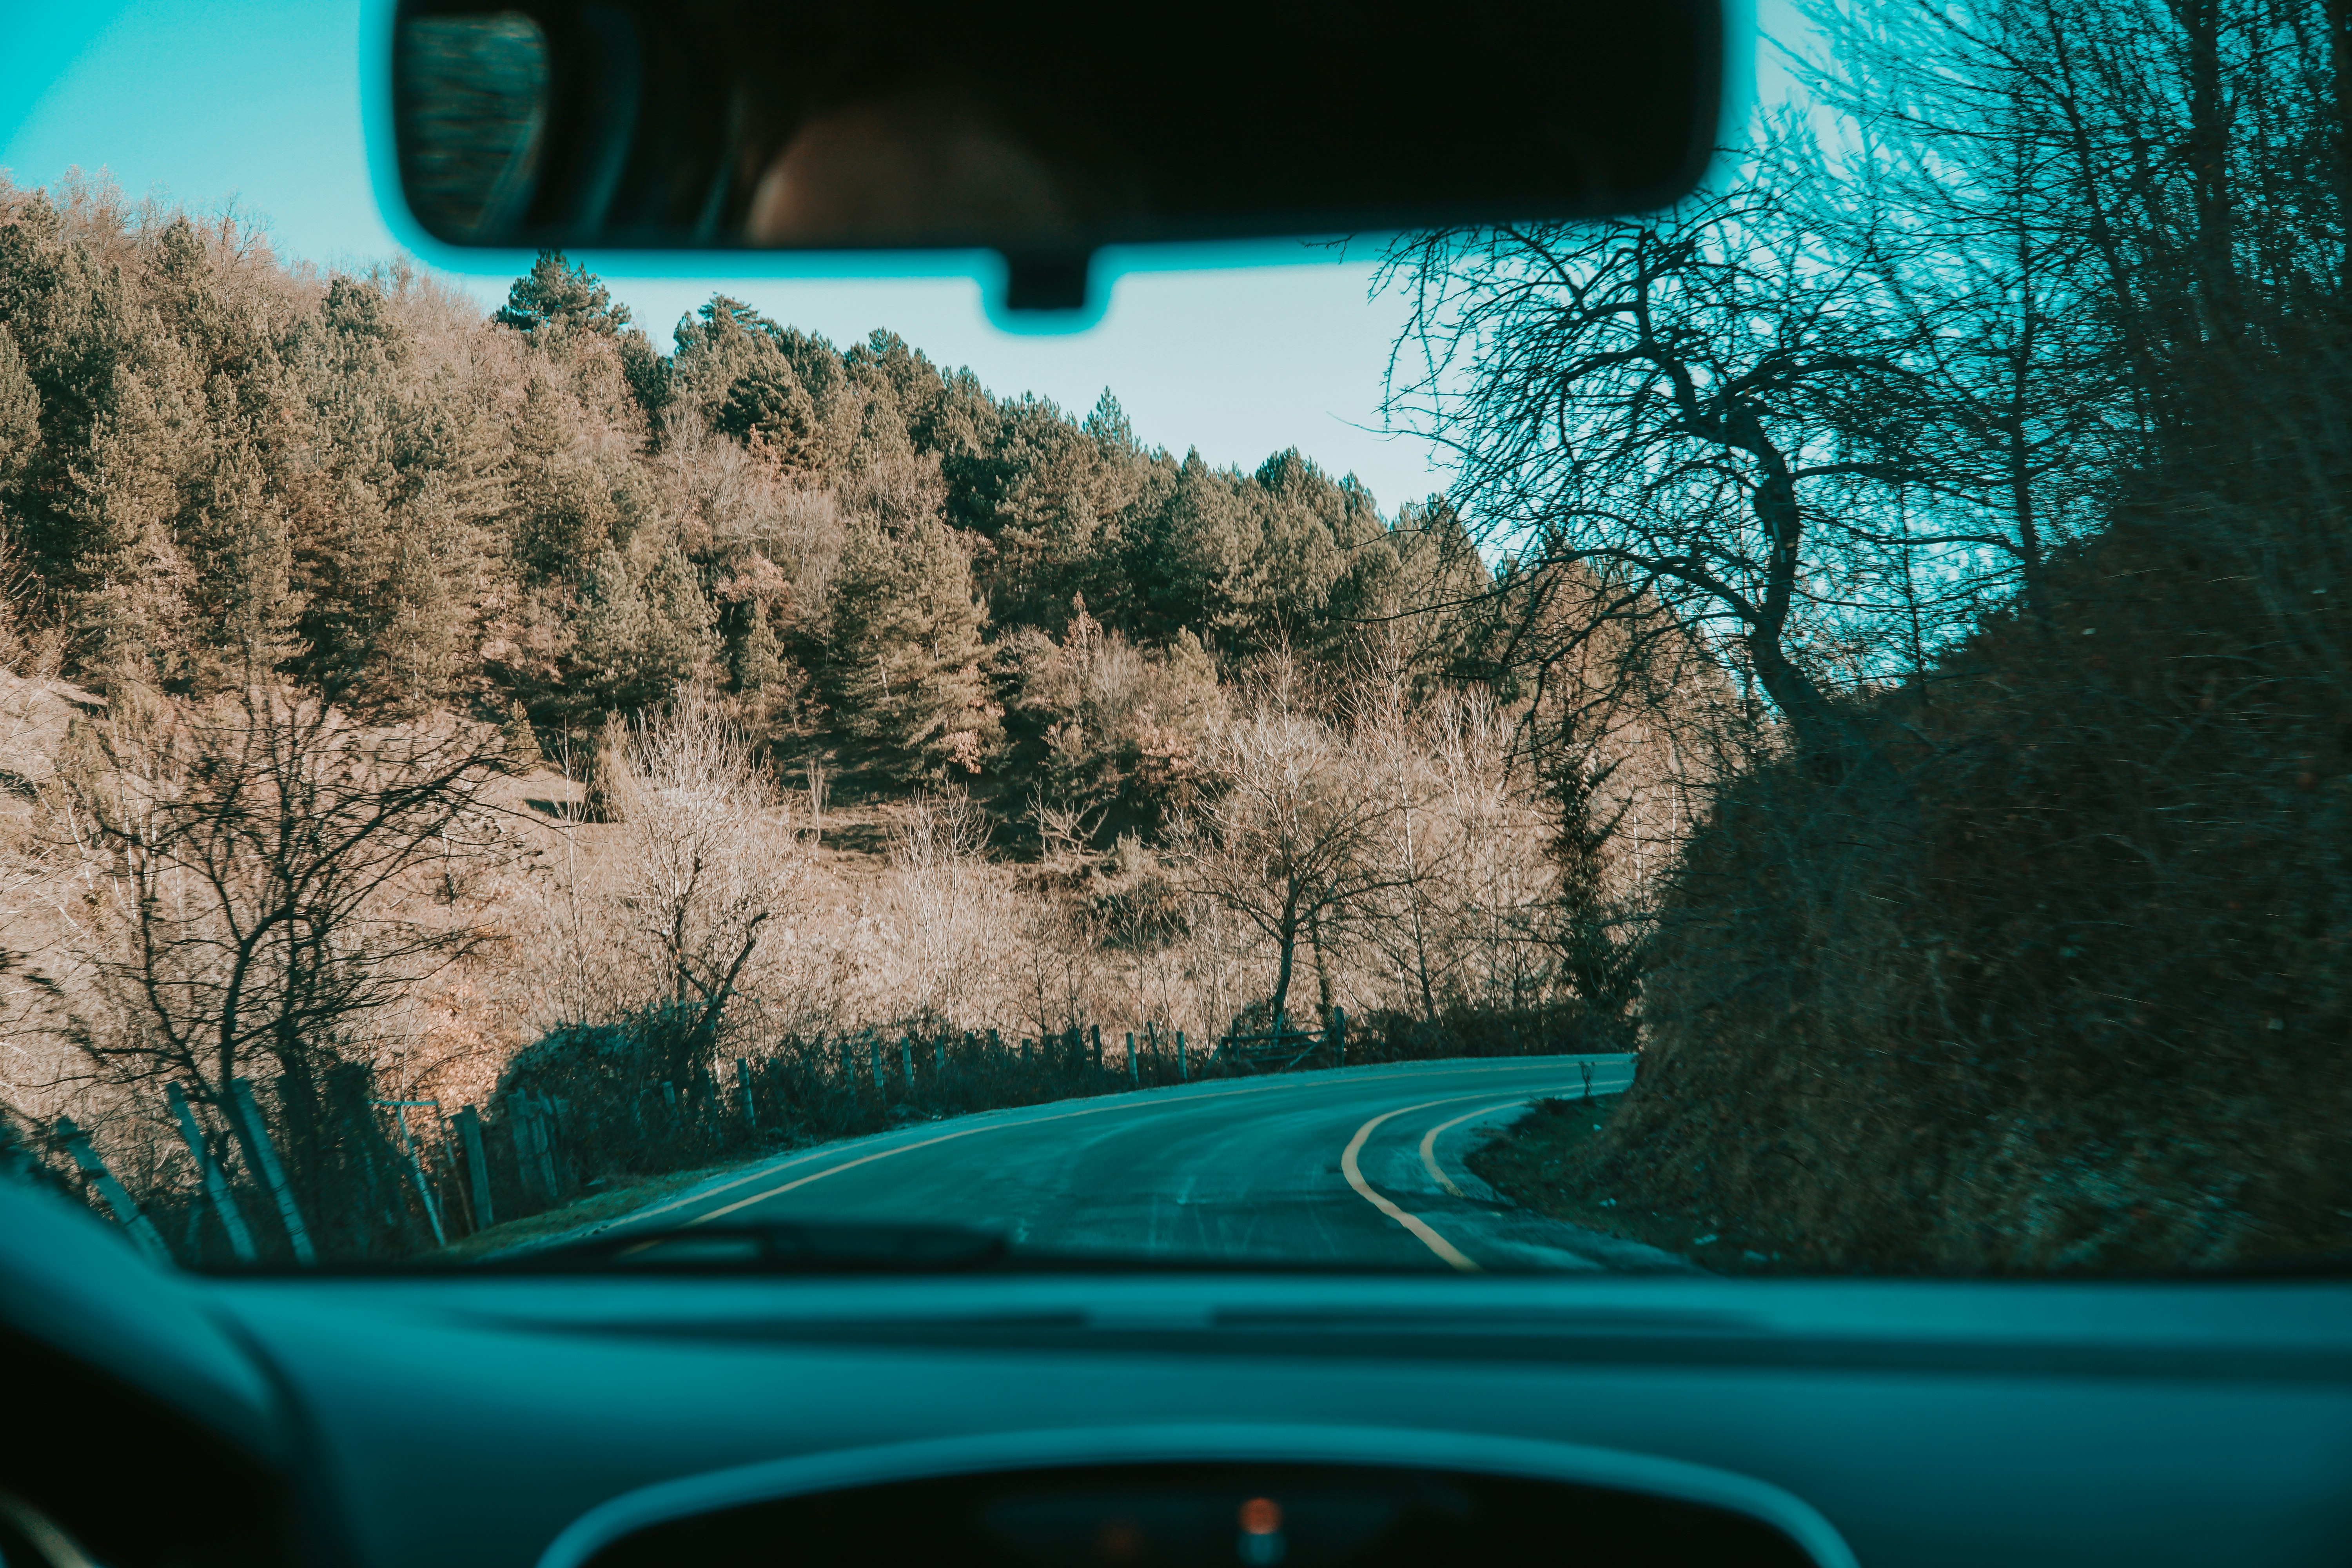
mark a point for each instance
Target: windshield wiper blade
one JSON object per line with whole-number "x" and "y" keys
{"x": 835, "y": 1248}
{"x": 783, "y": 1248}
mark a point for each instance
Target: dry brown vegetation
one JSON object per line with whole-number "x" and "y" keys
{"x": 412, "y": 704}
{"x": 601, "y": 973}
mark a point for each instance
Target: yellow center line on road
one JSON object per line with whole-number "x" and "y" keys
{"x": 1413, "y": 1222}
{"x": 779, "y": 1191}
{"x": 1421, "y": 1228}
{"x": 1428, "y": 1140}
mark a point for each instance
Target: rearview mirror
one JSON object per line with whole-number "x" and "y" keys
{"x": 1042, "y": 132}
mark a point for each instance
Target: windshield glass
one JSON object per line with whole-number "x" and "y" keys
{"x": 1805, "y": 733}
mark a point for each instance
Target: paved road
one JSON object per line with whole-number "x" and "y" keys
{"x": 1358, "y": 1166}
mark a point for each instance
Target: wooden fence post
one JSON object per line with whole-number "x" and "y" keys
{"x": 743, "y": 1082}
{"x": 1183, "y": 1068}
{"x": 874, "y": 1059}
{"x": 469, "y": 1133}
{"x": 449, "y": 1163}
{"x": 424, "y": 1187}
{"x": 1096, "y": 1036}
{"x": 126, "y": 1212}
{"x": 416, "y": 1165}
{"x": 518, "y": 1134}
{"x": 224, "y": 1201}
{"x": 1340, "y": 1033}
{"x": 1134, "y": 1067}
{"x": 543, "y": 1133}
{"x": 906, "y": 1061}
{"x": 257, "y": 1135}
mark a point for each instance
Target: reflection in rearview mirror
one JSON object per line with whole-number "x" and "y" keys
{"x": 473, "y": 112}
{"x": 1045, "y": 133}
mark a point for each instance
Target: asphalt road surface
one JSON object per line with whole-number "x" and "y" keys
{"x": 1359, "y": 1166}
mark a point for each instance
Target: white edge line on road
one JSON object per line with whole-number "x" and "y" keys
{"x": 1125, "y": 1104}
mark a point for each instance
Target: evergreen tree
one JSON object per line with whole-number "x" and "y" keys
{"x": 20, "y": 417}
{"x": 418, "y": 651}
{"x": 648, "y": 630}
{"x": 241, "y": 583}
{"x": 613, "y": 633}
{"x": 131, "y": 579}
{"x": 769, "y": 403}
{"x": 760, "y": 661}
{"x": 906, "y": 650}
{"x": 562, "y": 512}
{"x": 1190, "y": 552}
{"x": 555, "y": 292}
{"x": 569, "y": 313}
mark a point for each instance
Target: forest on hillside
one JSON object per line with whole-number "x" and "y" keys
{"x": 410, "y": 703}
{"x": 218, "y": 469}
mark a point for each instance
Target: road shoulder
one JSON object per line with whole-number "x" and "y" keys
{"x": 1495, "y": 1226}
{"x": 1538, "y": 1163}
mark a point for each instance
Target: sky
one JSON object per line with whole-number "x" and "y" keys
{"x": 256, "y": 102}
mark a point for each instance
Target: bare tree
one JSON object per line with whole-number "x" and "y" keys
{"x": 708, "y": 864}
{"x": 266, "y": 878}
{"x": 1292, "y": 835}
{"x": 1703, "y": 410}
{"x": 938, "y": 857}
{"x": 1060, "y": 959}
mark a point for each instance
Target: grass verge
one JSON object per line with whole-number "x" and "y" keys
{"x": 1542, "y": 1161}
{"x": 619, "y": 1196}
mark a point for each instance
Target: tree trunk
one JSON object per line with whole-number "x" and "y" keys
{"x": 2208, "y": 165}
{"x": 1289, "y": 939}
{"x": 1322, "y": 972}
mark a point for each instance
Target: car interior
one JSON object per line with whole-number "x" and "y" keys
{"x": 771, "y": 1396}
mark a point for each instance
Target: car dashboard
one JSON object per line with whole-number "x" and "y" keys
{"x": 560, "y": 1420}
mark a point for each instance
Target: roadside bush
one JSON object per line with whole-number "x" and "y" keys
{"x": 2066, "y": 987}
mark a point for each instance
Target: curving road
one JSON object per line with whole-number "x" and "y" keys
{"x": 1357, "y": 1166}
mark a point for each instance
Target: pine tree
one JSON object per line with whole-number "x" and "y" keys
{"x": 906, "y": 648}
{"x": 769, "y": 402}
{"x": 646, "y": 631}
{"x": 20, "y": 417}
{"x": 520, "y": 739}
{"x": 242, "y": 578}
{"x": 680, "y": 642}
{"x": 759, "y": 662}
{"x": 1188, "y": 555}
{"x": 555, "y": 292}
{"x": 131, "y": 581}
{"x": 418, "y": 651}
{"x": 612, "y": 635}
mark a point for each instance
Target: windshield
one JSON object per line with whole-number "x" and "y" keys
{"x": 1805, "y": 732}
